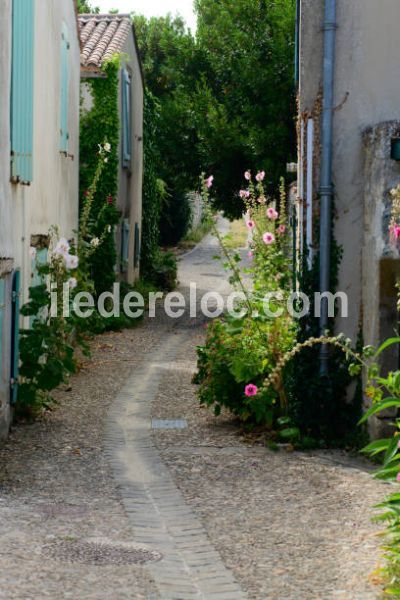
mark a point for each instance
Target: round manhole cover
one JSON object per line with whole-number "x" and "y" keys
{"x": 99, "y": 553}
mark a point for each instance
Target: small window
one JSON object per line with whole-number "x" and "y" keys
{"x": 65, "y": 47}
{"x": 126, "y": 119}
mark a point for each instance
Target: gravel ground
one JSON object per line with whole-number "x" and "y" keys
{"x": 290, "y": 526}
{"x": 57, "y": 492}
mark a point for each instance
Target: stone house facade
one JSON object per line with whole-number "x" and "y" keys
{"x": 366, "y": 124}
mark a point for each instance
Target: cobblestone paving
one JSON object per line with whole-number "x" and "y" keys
{"x": 85, "y": 489}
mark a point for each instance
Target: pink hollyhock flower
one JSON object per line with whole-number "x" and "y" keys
{"x": 62, "y": 247}
{"x": 244, "y": 194}
{"x": 398, "y": 477}
{"x": 395, "y": 231}
{"x": 260, "y": 176}
{"x": 250, "y": 254}
{"x": 209, "y": 181}
{"x": 72, "y": 283}
{"x": 71, "y": 262}
{"x": 272, "y": 214}
{"x": 268, "y": 238}
{"x": 32, "y": 253}
{"x": 247, "y": 175}
{"x": 110, "y": 199}
{"x": 282, "y": 229}
{"x": 250, "y": 224}
{"x": 251, "y": 390}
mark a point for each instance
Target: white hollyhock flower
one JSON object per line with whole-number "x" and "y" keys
{"x": 62, "y": 248}
{"x": 71, "y": 262}
{"x": 107, "y": 147}
{"x": 72, "y": 282}
{"x": 95, "y": 242}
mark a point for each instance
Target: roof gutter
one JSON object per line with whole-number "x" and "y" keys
{"x": 326, "y": 185}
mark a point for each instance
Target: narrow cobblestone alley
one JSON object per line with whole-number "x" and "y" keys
{"x": 129, "y": 468}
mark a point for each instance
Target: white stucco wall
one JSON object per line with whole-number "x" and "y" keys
{"x": 367, "y": 91}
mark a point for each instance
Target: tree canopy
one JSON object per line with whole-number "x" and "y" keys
{"x": 226, "y": 96}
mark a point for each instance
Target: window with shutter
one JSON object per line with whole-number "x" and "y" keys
{"x": 126, "y": 119}
{"x": 22, "y": 78}
{"x": 36, "y": 277}
{"x": 137, "y": 245}
{"x": 65, "y": 46}
{"x": 125, "y": 231}
{"x": 16, "y": 292}
{"x": 2, "y": 319}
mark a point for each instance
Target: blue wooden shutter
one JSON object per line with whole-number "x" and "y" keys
{"x": 22, "y": 78}
{"x": 65, "y": 46}
{"x": 137, "y": 245}
{"x": 16, "y": 291}
{"x": 125, "y": 232}
{"x": 126, "y": 119}
{"x": 2, "y": 319}
{"x": 36, "y": 277}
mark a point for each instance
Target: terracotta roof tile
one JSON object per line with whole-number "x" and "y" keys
{"x": 102, "y": 36}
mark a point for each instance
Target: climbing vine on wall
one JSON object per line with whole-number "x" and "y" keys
{"x": 152, "y": 187}
{"x": 100, "y": 124}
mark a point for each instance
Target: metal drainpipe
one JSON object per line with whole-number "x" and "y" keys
{"x": 326, "y": 186}
{"x": 297, "y": 46}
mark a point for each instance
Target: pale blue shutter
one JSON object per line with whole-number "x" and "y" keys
{"x": 126, "y": 119}
{"x": 137, "y": 245}
{"x": 2, "y": 319}
{"x": 65, "y": 46}
{"x": 125, "y": 233}
{"x": 16, "y": 292}
{"x": 36, "y": 277}
{"x": 22, "y": 77}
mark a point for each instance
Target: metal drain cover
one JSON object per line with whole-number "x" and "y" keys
{"x": 169, "y": 424}
{"x": 99, "y": 553}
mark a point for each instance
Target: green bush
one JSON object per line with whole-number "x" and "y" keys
{"x": 236, "y": 352}
{"x": 243, "y": 348}
{"x": 176, "y": 217}
{"x": 165, "y": 271}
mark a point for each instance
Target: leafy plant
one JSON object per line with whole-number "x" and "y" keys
{"x": 46, "y": 350}
{"x": 243, "y": 347}
{"x": 104, "y": 215}
{"x": 165, "y": 271}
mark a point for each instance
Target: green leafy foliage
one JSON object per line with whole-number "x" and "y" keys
{"x": 46, "y": 351}
{"x": 226, "y": 96}
{"x": 86, "y": 7}
{"x": 154, "y": 192}
{"x": 104, "y": 213}
{"x": 246, "y": 97}
{"x": 165, "y": 271}
{"x": 318, "y": 403}
{"x": 243, "y": 348}
{"x": 384, "y": 392}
